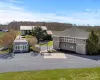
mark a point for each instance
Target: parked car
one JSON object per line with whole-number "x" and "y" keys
{"x": 4, "y": 30}
{"x": 0, "y": 30}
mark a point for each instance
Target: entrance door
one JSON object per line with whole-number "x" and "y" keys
{"x": 21, "y": 47}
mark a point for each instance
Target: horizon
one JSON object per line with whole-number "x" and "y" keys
{"x": 79, "y": 12}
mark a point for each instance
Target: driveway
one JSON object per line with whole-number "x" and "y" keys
{"x": 27, "y": 61}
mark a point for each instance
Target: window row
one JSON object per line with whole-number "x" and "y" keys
{"x": 66, "y": 39}
{"x": 18, "y": 47}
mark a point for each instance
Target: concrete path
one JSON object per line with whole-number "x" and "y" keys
{"x": 55, "y": 55}
{"x": 27, "y": 61}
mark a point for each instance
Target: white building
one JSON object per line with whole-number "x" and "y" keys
{"x": 20, "y": 45}
{"x": 72, "y": 39}
{"x": 28, "y": 29}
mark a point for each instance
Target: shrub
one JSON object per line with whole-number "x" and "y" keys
{"x": 51, "y": 51}
{"x": 35, "y": 49}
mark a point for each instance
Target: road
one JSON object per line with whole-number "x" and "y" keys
{"x": 26, "y": 61}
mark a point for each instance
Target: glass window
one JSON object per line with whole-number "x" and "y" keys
{"x": 23, "y": 47}
{"x": 16, "y": 47}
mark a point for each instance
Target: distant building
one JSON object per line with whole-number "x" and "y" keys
{"x": 72, "y": 39}
{"x": 49, "y": 32}
{"x": 27, "y": 29}
{"x": 20, "y": 45}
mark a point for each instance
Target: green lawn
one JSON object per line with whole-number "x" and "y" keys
{"x": 62, "y": 74}
{"x": 2, "y": 34}
{"x": 50, "y": 43}
{"x": 4, "y": 52}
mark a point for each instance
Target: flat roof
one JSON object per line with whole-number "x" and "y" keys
{"x": 27, "y": 27}
{"x": 20, "y": 39}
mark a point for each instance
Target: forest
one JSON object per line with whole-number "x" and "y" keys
{"x": 53, "y": 26}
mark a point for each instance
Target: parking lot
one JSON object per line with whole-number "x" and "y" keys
{"x": 27, "y": 61}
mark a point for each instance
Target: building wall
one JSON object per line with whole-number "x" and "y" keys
{"x": 25, "y": 32}
{"x": 56, "y": 41}
{"x": 22, "y": 32}
{"x": 71, "y": 44}
{"x": 68, "y": 46}
{"x": 81, "y": 46}
{"x": 20, "y": 47}
{"x": 68, "y": 39}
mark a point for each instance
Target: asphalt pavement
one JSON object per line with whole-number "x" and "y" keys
{"x": 29, "y": 61}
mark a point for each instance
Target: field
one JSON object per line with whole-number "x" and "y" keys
{"x": 62, "y": 74}
{"x": 2, "y": 34}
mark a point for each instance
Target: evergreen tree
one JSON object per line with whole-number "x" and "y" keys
{"x": 39, "y": 33}
{"x": 92, "y": 43}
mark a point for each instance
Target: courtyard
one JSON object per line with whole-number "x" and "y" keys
{"x": 29, "y": 61}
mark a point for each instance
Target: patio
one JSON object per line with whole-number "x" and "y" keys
{"x": 55, "y": 55}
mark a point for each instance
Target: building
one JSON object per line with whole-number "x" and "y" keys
{"x": 20, "y": 45}
{"x": 49, "y": 32}
{"x": 72, "y": 39}
{"x": 27, "y": 29}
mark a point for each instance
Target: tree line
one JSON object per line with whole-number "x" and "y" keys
{"x": 50, "y": 25}
{"x": 54, "y": 26}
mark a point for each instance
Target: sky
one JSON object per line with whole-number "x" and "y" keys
{"x": 80, "y": 12}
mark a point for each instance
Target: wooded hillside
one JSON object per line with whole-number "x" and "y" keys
{"x": 54, "y": 26}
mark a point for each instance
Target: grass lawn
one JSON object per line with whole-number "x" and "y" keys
{"x": 2, "y": 34}
{"x": 28, "y": 36}
{"x": 61, "y": 74}
{"x": 4, "y": 52}
{"x": 50, "y": 43}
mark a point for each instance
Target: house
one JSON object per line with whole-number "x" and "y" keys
{"x": 49, "y": 32}
{"x": 20, "y": 45}
{"x": 27, "y": 29}
{"x": 72, "y": 39}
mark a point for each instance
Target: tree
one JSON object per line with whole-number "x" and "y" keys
{"x": 7, "y": 40}
{"x": 39, "y": 33}
{"x": 93, "y": 43}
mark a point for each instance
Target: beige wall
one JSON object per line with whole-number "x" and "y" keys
{"x": 56, "y": 41}
{"x": 68, "y": 46}
{"x": 71, "y": 44}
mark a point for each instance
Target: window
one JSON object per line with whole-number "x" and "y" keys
{"x": 16, "y": 47}
{"x": 62, "y": 39}
{"x": 74, "y": 40}
{"x": 23, "y": 47}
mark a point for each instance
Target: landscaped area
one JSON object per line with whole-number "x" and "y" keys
{"x": 62, "y": 74}
{"x": 50, "y": 43}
